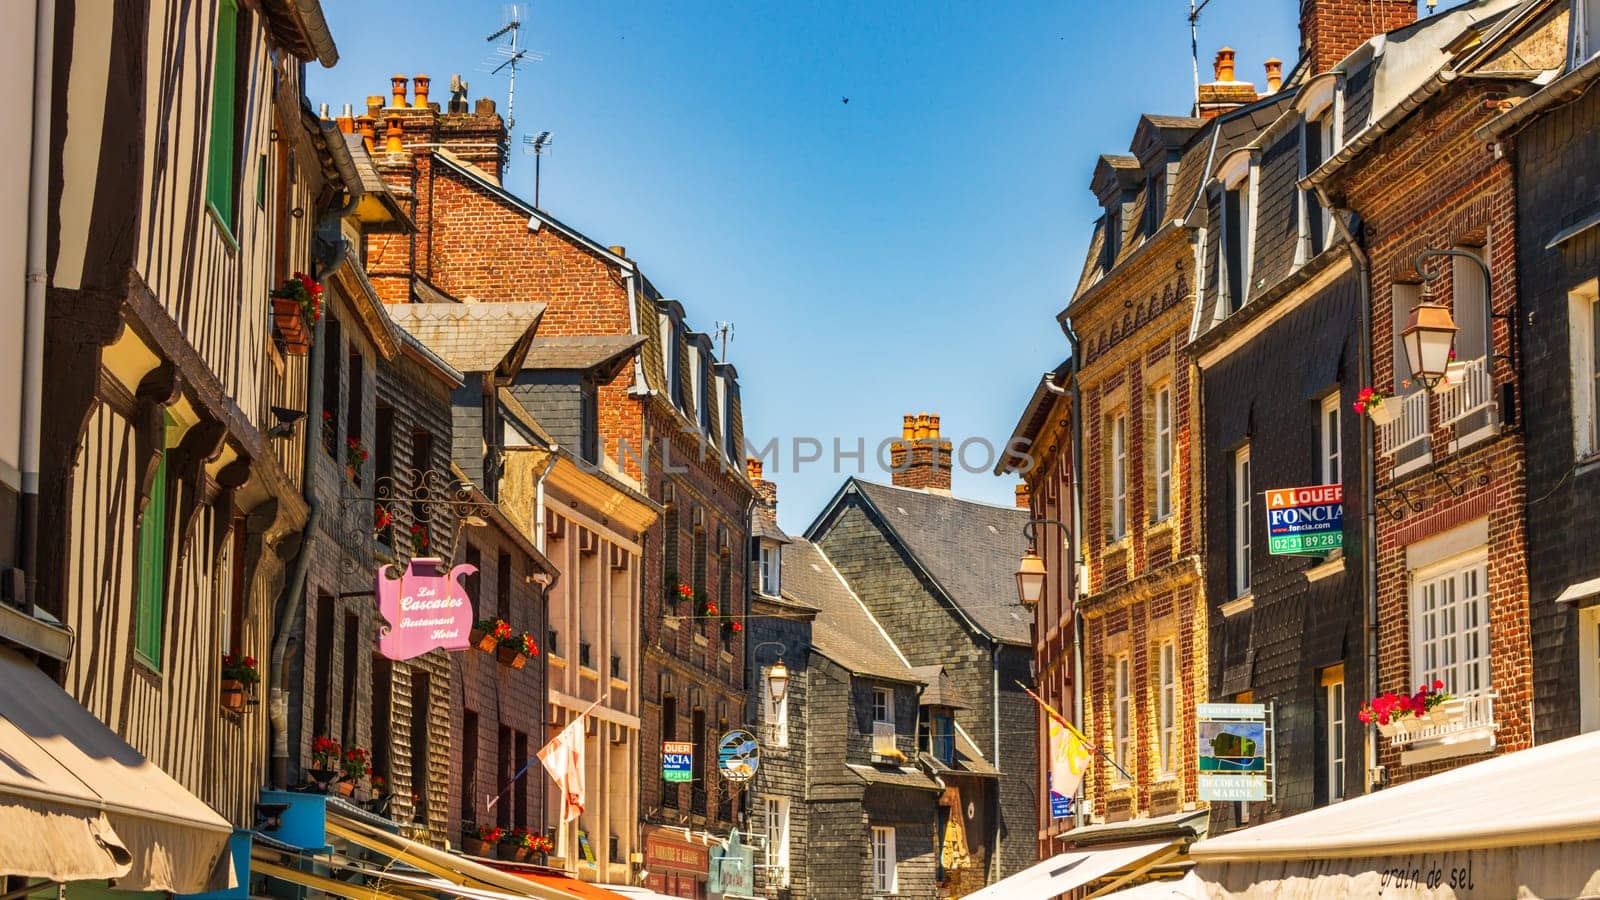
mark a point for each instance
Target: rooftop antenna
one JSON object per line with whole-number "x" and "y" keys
{"x": 1194, "y": 45}
{"x": 535, "y": 145}
{"x": 724, "y": 334}
{"x": 509, "y": 55}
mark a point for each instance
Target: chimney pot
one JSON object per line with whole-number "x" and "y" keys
{"x": 908, "y": 427}
{"x": 393, "y": 131}
{"x": 368, "y": 135}
{"x": 1224, "y": 64}
{"x": 922, "y": 426}
{"x": 484, "y": 106}
{"x": 397, "y": 86}
{"x": 1274, "y": 74}
{"x": 921, "y": 460}
{"x": 933, "y": 425}
{"x": 322, "y": 113}
{"x": 374, "y": 105}
{"x": 752, "y": 468}
{"x": 421, "y": 83}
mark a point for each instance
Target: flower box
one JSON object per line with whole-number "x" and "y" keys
{"x": 233, "y": 695}
{"x": 1383, "y": 413}
{"x": 1449, "y": 712}
{"x": 509, "y": 656}
{"x": 483, "y": 640}
{"x": 474, "y": 847}
{"x": 1454, "y": 373}
{"x": 292, "y": 324}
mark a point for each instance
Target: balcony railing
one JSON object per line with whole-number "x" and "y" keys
{"x": 1472, "y": 392}
{"x": 1409, "y": 427}
{"x": 1457, "y": 727}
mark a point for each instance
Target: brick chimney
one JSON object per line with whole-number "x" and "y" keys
{"x": 1330, "y": 29}
{"x": 1024, "y": 496}
{"x": 921, "y": 458}
{"x": 766, "y": 492}
{"x": 1223, "y": 93}
{"x": 474, "y": 134}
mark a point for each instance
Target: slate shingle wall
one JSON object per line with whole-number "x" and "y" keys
{"x": 556, "y": 400}
{"x": 783, "y": 770}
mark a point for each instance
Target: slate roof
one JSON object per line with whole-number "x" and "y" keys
{"x": 371, "y": 181}
{"x": 581, "y": 352}
{"x": 969, "y": 548}
{"x": 894, "y": 776}
{"x": 762, "y": 527}
{"x": 471, "y": 337}
{"x": 843, "y": 631}
{"x": 941, "y": 691}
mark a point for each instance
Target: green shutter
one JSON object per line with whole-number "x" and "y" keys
{"x": 149, "y": 623}
{"x": 222, "y": 169}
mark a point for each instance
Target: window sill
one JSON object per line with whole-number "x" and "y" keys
{"x": 1237, "y": 605}
{"x": 1120, "y": 545}
{"x": 586, "y": 672}
{"x": 699, "y": 640}
{"x": 222, "y": 228}
{"x": 670, "y": 621}
{"x": 1332, "y": 566}
{"x": 557, "y": 661}
{"x": 1406, "y": 468}
{"x": 1477, "y": 437}
{"x": 1159, "y": 527}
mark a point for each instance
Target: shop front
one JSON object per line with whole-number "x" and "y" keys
{"x": 1526, "y": 824}
{"x": 676, "y": 864}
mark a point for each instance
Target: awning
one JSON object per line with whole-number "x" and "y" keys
{"x": 78, "y": 803}
{"x": 1582, "y": 590}
{"x": 1069, "y": 871}
{"x": 1521, "y": 824}
{"x": 641, "y": 893}
{"x": 476, "y": 878}
{"x": 1189, "y": 887}
{"x": 573, "y": 886}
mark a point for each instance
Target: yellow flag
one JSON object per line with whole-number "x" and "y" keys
{"x": 1069, "y": 759}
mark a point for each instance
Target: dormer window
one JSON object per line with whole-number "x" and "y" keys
{"x": 938, "y": 734}
{"x": 1113, "y": 238}
{"x": 702, "y": 398}
{"x": 1155, "y": 200}
{"x": 1237, "y": 179}
{"x": 1319, "y": 140}
{"x": 771, "y": 568}
{"x": 671, "y": 337}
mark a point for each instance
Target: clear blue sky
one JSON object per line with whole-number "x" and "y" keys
{"x": 904, "y": 252}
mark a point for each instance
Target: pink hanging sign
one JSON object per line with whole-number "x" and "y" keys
{"x": 425, "y": 608}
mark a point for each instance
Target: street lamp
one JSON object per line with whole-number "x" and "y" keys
{"x": 778, "y": 675}
{"x": 1428, "y": 338}
{"x": 1031, "y": 568}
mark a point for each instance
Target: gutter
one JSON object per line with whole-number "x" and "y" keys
{"x": 1369, "y": 475}
{"x": 34, "y": 294}
{"x": 1564, "y": 89}
{"x": 315, "y": 25}
{"x": 1359, "y": 144}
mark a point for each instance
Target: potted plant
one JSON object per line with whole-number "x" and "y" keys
{"x": 419, "y": 539}
{"x": 356, "y": 764}
{"x": 382, "y": 520}
{"x": 488, "y": 633}
{"x": 708, "y": 607}
{"x": 1398, "y": 715}
{"x": 296, "y": 308}
{"x": 517, "y": 845}
{"x": 239, "y": 678}
{"x": 679, "y": 592}
{"x": 324, "y": 770}
{"x": 515, "y": 651}
{"x": 732, "y": 625}
{"x": 1371, "y": 402}
{"x": 479, "y": 840}
{"x": 355, "y": 454}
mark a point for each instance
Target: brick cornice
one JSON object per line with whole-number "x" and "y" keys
{"x": 1179, "y": 573}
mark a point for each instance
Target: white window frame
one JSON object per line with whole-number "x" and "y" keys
{"x": 1450, "y": 623}
{"x": 1403, "y": 298}
{"x": 777, "y": 851}
{"x": 1583, "y": 318}
{"x": 775, "y": 713}
{"x": 1467, "y": 300}
{"x": 1584, "y": 29}
{"x": 1163, "y": 450}
{"x": 1241, "y": 521}
{"x": 669, "y": 355}
{"x": 1589, "y": 669}
{"x": 1238, "y": 173}
{"x": 1122, "y": 715}
{"x": 1119, "y": 476}
{"x": 771, "y": 568}
{"x": 883, "y": 706}
{"x": 1330, "y": 458}
{"x": 885, "y": 865}
{"x": 1322, "y": 115}
{"x": 1333, "y": 701}
{"x": 1167, "y": 663}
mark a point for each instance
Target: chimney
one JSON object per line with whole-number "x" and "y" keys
{"x": 766, "y": 491}
{"x": 477, "y": 138}
{"x": 368, "y": 137}
{"x": 921, "y": 458}
{"x": 374, "y": 105}
{"x": 483, "y": 106}
{"x": 1024, "y": 496}
{"x": 393, "y": 131}
{"x": 346, "y": 121}
{"x": 1224, "y": 94}
{"x": 1274, "y": 68}
{"x": 421, "y": 100}
{"x": 1331, "y": 29}
{"x": 622, "y": 251}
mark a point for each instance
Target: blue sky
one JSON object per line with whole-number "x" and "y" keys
{"x": 903, "y": 252}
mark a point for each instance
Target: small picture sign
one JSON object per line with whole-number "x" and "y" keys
{"x": 738, "y": 755}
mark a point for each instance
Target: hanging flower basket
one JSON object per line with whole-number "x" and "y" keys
{"x": 296, "y": 308}
{"x": 515, "y": 651}
{"x": 1374, "y": 404}
{"x": 239, "y": 677}
{"x": 510, "y": 657}
{"x": 488, "y": 633}
{"x": 233, "y": 695}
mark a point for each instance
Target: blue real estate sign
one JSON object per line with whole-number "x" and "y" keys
{"x": 677, "y": 761}
{"x": 1233, "y": 751}
{"x": 1305, "y": 521}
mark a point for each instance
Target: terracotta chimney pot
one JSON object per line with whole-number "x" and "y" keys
{"x": 933, "y": 425}
{"x": 1274, "y": 75}
{"x": 421, "y": 83}
{"x": 752, "y": 468}
{"x": 397, "y": 87}
{"x": 619, "y": 250}
{"x": 393, "y": 131}
{"x": 1224, "y": 64}
{"x": 908, "y": 426}
{"x": 368, "y": 134}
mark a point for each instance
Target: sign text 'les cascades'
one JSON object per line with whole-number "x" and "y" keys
{"x": 425, "y": 608}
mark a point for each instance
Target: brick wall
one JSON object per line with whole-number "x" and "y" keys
{"x": 1331, "y": 29}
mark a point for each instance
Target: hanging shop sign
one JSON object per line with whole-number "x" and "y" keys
{"x": 677, "y": 761}
{"x": 1305, "y": 521}
{"x": 738, "y": 755}
{"x": 732, "y": 868}
{"x": 425, "y": 608}
{"x": 1235, "y": 743}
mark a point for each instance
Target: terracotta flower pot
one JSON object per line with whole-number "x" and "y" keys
{"x": 508, "y": 656}
{"x": 350, "y": 472}
{"x": 233, "y": 695}
{"x": 474, "y": 847}
{"x": 483, "y": 640}
{"x": 292, "y": 324}
{"x": 514, "y": 853}
{"x": 347, "y": 788}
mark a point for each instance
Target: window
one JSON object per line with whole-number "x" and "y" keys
{"x": 469, "y": 765}
{"x": 885, "y": 878}
{"x": 382, "y": 694}
{"x": 474, "y": 581}
{"x": 1235, "y": 225}
{"x": 502, "y": 755}
{"x": 229, "y": 73}
{"x": 238, "y": 586}
{"x": 730, "y": 441}
{"x": 1241, "y": 521}
{"x": 383, "y": 446}
{"x": 1450, "y": 625}
{"x": 1155, "y": 200}
{"x": 1112, "y": 244}
{"x": 422, "y": 778}
{"x": 1163, "y": 450}
{"x": 1119, "y": 476}
{"x": 1585, "y": 29}
{"x": 589, "y": 422}
{"x": 883, "y": 706}
{"x": 942, "y": 737}
{"x": 669, "y": 732}
{"x": 1589, "y": 668}
{"x": 777, "y": 819}
{"x": 1334, "y": 735}
{"x": 1169, "y": 703}
{"x": 776, "y": 713}
{"x": 1467, "y": 301}
{"x": 322, "y": 680}
{"x": 1123, "y": 715}
{"x": 1317, "y": 143}
{"x": 771, "y": 561}
{"x": 669, "y": 358}
{"x": 150, "y": 616}
{"x": 1330, "y": 463}
{"x": 421, "y": 454}
{"x": 353, "y": 408}
{"x": 702, "y": 400}
{"x": 1583, "y": 307}
{"x": 332, "y": 381}
{"x": 348, "y": 734}
{"x": 502, "y": 585}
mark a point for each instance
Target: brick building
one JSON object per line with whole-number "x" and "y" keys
{"x": 1449, "y": 493}
{"x": 1553, "y": 141}
{"x": 937, "y": 573}
{"x": 669, "y": 421}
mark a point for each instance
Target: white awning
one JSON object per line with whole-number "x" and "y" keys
{"x": 1522, "y": 824}
{"x": 1189, "y": 887}
{"x": 1068, "y": 871}
{"x": 78, "y": 803}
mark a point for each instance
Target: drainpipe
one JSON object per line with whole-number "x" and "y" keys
{"x": 994, "y": 669}
{"x": 37, "y": 279}
{"x": 1075, "y": 344}
{"x": 538, "y": 499}
{"x": 1369, "y": 477}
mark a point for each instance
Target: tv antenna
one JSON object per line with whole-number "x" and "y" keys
{"x": 1194, "y": 45}
{"x": 509, "y": 55}
{"x": 535, "y": 146}
{"x": 724, "y": 334}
